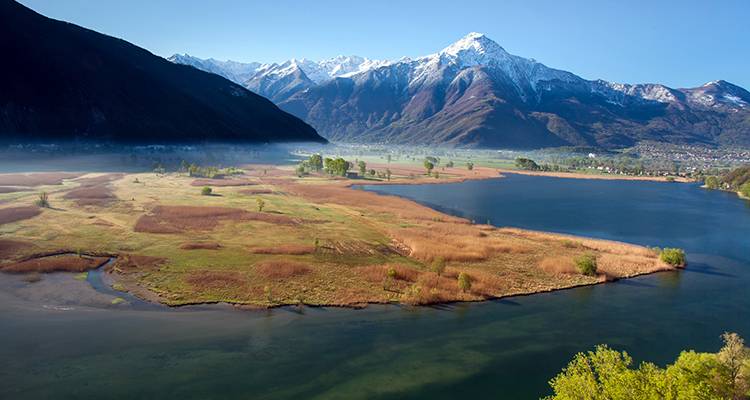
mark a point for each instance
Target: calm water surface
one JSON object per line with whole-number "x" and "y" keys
{"x": 505, "y": 349}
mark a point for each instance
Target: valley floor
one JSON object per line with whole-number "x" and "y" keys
{"x": 267, "y": 238}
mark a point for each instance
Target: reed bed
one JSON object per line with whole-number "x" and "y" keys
{"x": 66, "y": 263}
{"x": 36, "y": 179}
{"x": 11, "y": 248}
{"x": 14, "y": 214}
{"x": 222, "y": 182}
{"x": 201, "y": 246}
{"x": 289, "y": 249}
{"x": 278, "y": 269}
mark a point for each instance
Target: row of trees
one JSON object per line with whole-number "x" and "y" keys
{"x": 200, "y": 171}
{"x": 607, "y": 374}
{"x": 338, "y": 167}
{"x": 430, "y": 163}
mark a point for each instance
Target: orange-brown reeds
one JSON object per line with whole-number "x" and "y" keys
{"x": 222, "y": 182}
{"x": 10, "y": 248}
{"x": 35, "y": 179}
{"x": 290, "y": 249}
{"x": 13, "y": 214}
{"x": 68, "y": 263}
{"x": 216, "y": 280}
{"x": 275, "y": 269}
{"x": 558, "y": 265}
{"x": 454, "y": 242}
{"x": 200, "y": 246}
{"x": 98, "y": 195}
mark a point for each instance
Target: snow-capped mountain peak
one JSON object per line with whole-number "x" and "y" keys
{"x": 472, "y": 45}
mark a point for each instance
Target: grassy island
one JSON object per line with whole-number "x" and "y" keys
{"x": 266, "y": 236}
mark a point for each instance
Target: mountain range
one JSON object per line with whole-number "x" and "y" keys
{"x": 60, "y": 82}
{"x": 473, "y": 93}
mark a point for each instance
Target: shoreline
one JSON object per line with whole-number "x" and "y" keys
{"x": 580, "y": 175}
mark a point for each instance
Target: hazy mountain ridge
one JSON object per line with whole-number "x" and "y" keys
{"x": 474, "y": 93}
{"x": 66, "y": 83}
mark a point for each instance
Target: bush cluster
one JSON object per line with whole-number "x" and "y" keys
{"x": 586, "y": 264}
{"x": 673, "y": 257}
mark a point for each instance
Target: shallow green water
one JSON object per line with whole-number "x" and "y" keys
{"x": 504, "y": 349}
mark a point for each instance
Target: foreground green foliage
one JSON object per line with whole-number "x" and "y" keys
{"x": 586, "y": 264}
{"x": 206, "y": 191}
{"x": 673, "y": 257}
{"x": 607, "y": 374}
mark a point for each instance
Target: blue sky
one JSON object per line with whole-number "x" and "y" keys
{"x": 679, "y": 43}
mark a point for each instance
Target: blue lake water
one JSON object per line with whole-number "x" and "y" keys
{"x": 506, "y": 349}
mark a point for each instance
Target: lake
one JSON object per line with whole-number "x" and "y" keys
{"x": 74, "y": 346}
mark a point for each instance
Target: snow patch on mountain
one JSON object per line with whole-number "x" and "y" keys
{"x": 232, "y": 70}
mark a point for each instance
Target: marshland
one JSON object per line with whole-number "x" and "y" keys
{"x": 268, "y": 235}
{"x": 150, "y": 238}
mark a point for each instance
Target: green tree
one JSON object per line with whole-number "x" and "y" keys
{"x": 586, "y": 264}
{"x": 449, "y": 164}
{"x": 735, "y": 358}
{"x": 470, "y": 166}
{"x": 206, "y": 191}
{"x": 362, "y": 168}
{"x": 606, "y": 374}
{"x": 464, "y": 282}
{"x": 429, "y": 166}
{"x": 315, "y": 162}
{"x": 437, "y": 175}
{"x": 261, "y": 204}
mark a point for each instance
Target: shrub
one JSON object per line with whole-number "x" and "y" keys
{"x": 470, "y": 166}
{"x": 586, "y": 264}
{"x": 43, "y": 200}
{"x": 438, "y": 265}
{"x": 206, "y": 191}
{"x": 261, "y": 203}
{"x": 464, "y": 282}
{"x": 673, "y": 257}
